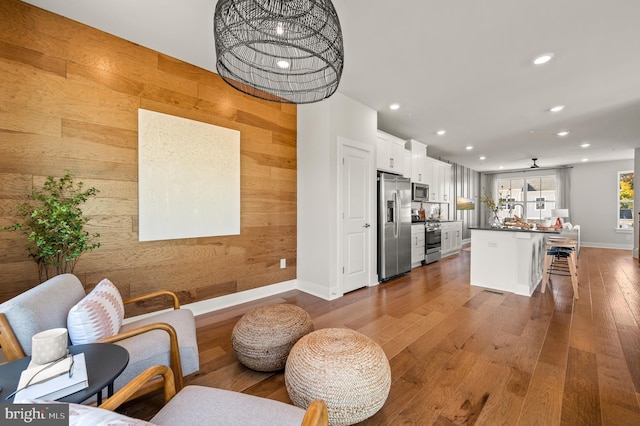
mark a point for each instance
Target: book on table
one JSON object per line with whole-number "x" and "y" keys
{"x": 53, "y": 381}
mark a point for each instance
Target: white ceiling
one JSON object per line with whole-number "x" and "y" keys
{"x": 464, "y": 66}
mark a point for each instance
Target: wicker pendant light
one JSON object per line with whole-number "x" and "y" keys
{"x": 286, "y": 51}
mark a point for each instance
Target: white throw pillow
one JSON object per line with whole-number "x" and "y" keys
{"x": 87, "y": 415}
{"x": 99, "y": 314}
{"x": 84, "y": 415}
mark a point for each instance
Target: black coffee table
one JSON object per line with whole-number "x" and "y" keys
{"x": 105, "y": 362}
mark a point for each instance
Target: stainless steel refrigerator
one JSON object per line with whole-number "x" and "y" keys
{"x": 394, "y": 225}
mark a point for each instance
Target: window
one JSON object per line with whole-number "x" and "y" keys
{"x": 529, "y": 198}
{"x": 625, "y": 200}
{"x": 541, "y": 197}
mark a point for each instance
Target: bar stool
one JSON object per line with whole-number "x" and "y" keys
{"x": 561, "y": 259}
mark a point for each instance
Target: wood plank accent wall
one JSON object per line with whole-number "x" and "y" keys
{"x": 69, "y": 99}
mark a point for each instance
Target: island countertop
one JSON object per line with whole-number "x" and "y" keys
{"x": 512, "y": 229}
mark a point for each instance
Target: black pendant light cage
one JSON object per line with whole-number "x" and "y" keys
{"x": 287, "y": 51}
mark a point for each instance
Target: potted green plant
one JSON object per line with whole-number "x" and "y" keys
{"x": 53, "y": 223}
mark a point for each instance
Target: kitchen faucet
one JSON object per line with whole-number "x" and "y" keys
{"x": 512, "y": 207}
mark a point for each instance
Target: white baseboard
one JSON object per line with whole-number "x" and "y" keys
{"x": 607, "y": 246}
{"x": 316, "y": 290}
{"x": 229, "y": 300}
{"x": 451, "y": 253}
{"x": 216, "y": 303}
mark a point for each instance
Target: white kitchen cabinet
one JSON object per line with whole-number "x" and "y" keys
{"x": 433, "y": 179}
{"x": 408, "y": 167}
{"x": 451, "y": 238}
{"x": 417, "y": 244}
{"x": 390, "y": 153}
{"x": 439, "y": 180}
{"x": 419, "y": 157}
{"x": 444, "y": 182}
{"x": 438, "y": 175}
{"x": 445, "y": 240}
{"x": 428, "y": 171}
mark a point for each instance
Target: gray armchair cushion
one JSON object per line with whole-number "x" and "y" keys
{"x": 199, "y": 405}
{"x": 152, "y": 348}
{"x": 42, "y": 307}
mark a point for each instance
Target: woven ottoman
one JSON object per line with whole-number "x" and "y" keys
{"x": 263, "y": 337}
{"x": 346, "y": 369}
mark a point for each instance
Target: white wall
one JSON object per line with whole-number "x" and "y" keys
{"x": 636, "y": 184}
{"x": 319, "y": 126}
{"x": 593, "y": 203}
{"x": 313, "y": 249}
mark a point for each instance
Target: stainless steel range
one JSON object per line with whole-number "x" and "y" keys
{"x": 432, "y": 241}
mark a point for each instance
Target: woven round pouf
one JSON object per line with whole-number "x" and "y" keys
{"x": 346, "y": 369}
{"x": 263, "y": 337}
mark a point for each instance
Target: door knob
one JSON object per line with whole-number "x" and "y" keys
{"x": 366, "y": 225}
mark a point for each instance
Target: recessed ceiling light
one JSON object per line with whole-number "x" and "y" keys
{"x": 501, "y": 167}
{"x": 283, "y": 64}
{"x": 483, "y": 158}
{"x": 563, "y": 133}
{"x": 543, "y": 59}
{"x": 557, "y": 108}
{"x": 469, "y": 148}
{"x": 441, "y": 132}
{"x": 394, "y": 106}
{"x": 585, "y": 145}
{"x": 584, "y": 160}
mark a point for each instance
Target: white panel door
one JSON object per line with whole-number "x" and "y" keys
{"x": 356, "y": 217}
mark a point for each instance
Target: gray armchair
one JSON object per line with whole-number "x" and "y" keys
{"x": 166, "y": 338}
{"x": 202, "y": 406}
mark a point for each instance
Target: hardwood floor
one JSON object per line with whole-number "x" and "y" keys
{"x": 464, "y": 355}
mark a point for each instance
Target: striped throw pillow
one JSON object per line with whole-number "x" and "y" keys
{"x": 99, "y": 314}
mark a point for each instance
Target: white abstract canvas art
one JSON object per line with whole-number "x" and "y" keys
{"x": 188, "y": 178}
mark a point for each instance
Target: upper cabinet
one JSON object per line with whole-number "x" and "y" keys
{"x": 445, "y": 182}
{"x": 390, "y": 153}
{"x": 440, "y": 181}
{"x": 419, "y": 172}
{"x": 407, "y": 164}
{"x": 419, "y": 167}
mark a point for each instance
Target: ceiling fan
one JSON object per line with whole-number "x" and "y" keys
{"x": 534, "y": 165}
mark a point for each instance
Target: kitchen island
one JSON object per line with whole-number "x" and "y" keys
{"x": 507, "y": 259}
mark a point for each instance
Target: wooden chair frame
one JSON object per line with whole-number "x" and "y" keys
{"x": 13, "y": 351}
{"x": 8, "y": 341}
